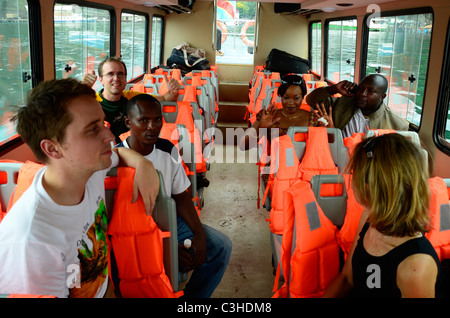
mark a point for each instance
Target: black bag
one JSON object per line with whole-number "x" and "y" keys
{"x": 283, "y": 62}
{"x": 180, "y": 57}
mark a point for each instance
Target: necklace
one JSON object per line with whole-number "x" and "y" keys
{"x": 290, "y": 117}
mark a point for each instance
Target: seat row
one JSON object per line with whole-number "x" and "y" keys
{"x": 164, "y": 214}
{"x": 263, "y": 91}
{"x": 191, "y": 121}
{"x": 309, "y": 163}
{"x": 199, "y": 86}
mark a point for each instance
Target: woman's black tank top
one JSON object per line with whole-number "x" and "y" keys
{"x": 375, "y": 276}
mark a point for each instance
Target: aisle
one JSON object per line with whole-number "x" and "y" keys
{"x": 230, "y": 207}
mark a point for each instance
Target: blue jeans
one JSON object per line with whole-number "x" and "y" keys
{"x": 205, "y": 279}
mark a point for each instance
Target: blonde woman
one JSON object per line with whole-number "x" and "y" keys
{"x": 391, "y": 257}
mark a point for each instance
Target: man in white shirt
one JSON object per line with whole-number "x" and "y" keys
{"x": 212, "y": 249}
{"x": 53, "y": 240}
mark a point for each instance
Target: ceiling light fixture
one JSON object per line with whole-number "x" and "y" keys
{"x": 328, "y": 9}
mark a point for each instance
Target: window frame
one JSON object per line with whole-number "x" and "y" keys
{"x": 325, "y": 43}
{"x": 112, "y": 25}
{"x": 443, "y": 101}
{"x": 365, "y": 45}
{"x": 163, "y": 30}
{"x": 36, "y": 61}
{"x": 146, "y": 36}
{"x": 310, "y": 37}
{"x": 219, "y": 59}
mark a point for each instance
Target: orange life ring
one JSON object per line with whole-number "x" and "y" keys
{"x": 244, "y": 37}
{"x": 224, "y": 30}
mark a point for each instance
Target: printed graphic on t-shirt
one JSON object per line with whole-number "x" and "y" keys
{"x": 92, "y": 253}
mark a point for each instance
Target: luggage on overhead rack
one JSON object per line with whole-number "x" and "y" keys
{"x": 283, "y": 62}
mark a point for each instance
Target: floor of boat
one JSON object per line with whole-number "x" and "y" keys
{"x": 230, "y": 206}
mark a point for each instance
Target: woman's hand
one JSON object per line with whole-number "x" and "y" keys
{"x": 324, "y": 119}
{"x": 266, "y": 117}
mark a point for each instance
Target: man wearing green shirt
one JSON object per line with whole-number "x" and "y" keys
{"x": 112, "y": 74}
{"x": 360, "y": 107}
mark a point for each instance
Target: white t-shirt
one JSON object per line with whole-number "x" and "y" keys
{"x": 165, "y": 158}
{"x": 44, "y": 246}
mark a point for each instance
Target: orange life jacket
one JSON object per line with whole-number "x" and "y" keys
{"x": 351, "y": 141}
{"x": 286, "y": 168}
{"x": 28, "y": 296}
{"x": 348, "y": 231}
{"x": 184, "y": 117}
{"x": 26, "y": 175}
{"x": 5, "y": 180}
{"x": 315, "y": 260}
{"x": 439, "y": 236}
{"x": 136, "y": 247}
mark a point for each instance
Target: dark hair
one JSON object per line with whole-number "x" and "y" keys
{"x": 110, "y": 59}
{"x": 289, "y": 80}
{"x": 131, "y": 104}
{"x": 45, "y": 114}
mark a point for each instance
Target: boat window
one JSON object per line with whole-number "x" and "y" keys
{"x": 398, "y": 47}
{"x": 15, "y": 62}
{"x": 235, "y": 31}
{"x": 157, "y": 41}
{"x": 82, "y": 39}
{"x": 442, "y": 118}
{"x": 340, "y": 49}
{"x": 133, "y": 43}
{"x": 315, "y": 36}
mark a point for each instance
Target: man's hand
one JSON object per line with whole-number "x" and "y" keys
{"x": 189, "y": 260}
{"x": 146, "y": 182}
{"x": 89, "y": 78}
{"x": 344, "y": 88}
{"x": 174, "y": 87}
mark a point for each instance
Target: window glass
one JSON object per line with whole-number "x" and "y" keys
{"x": 157, "y": 41}
{"x": 341, "y": 50}
{"x": 442, "y": 116}
{"x": 133, "y": 48}
{"x": 447, "y": 124}
{"x": 82, "y": 40}
{"x": 235, "y": 32}
{"x": 398, "y": 48}
{"x": 15, "y": 65}
{"x": 316, "y": 47}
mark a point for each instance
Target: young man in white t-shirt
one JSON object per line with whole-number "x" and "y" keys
{"x": 212, "y": 249}
{"x": 53, "y": 240}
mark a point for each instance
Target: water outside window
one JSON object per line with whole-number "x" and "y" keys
{"x": 316, "y": 47}
{"x": 15, "y": 64}
{"x": 235, "y": 32}
{"x": 82, "y": 40}
{"x": 398, "y": 48}
{"x": 157, "y": 36}
{"x": 341, "y": 50}
{"x": 133, "y": 47}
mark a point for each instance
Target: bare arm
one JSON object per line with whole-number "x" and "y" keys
{"x": 146, "y": 180}
{"x": 172, "y": 95}
{"x": 416, "y": 276}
